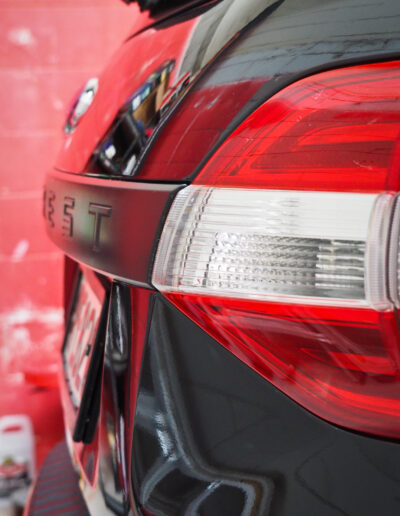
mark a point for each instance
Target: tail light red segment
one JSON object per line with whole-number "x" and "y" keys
{"x": 341, "y": 364}
{"x": 286, "y": 248}
{"x": 337, "y": 130}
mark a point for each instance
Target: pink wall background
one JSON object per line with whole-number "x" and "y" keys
{"x": 48, "y": 49}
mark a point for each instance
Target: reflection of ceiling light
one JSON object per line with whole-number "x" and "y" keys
{"x": 135, "y": 102}
{"x": 129, "y": 166}
{"x": 110, "y": 151}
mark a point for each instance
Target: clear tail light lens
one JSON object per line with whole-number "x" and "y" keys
{"x": 275, "y": 245}
{"x": 286, "y": 247}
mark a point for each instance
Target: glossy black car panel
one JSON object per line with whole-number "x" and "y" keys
{"x": 212, "y": 437}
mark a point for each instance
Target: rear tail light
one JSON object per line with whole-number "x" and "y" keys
{"x": 291, "y": 246}
{"x": 286, "y": 247}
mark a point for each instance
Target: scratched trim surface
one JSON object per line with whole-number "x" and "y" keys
{"x": 109, "y": 225}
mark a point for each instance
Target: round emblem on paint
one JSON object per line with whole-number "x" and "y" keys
{"x": 81, "y": 105}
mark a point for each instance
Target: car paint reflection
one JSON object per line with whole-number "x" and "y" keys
{"x": 117, "y": 155}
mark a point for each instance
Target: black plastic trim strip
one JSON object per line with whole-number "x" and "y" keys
{"x": 109, "y": 225}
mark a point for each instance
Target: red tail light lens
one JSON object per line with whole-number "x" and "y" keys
{"x": 341, "y": 364}
{"x": 337, "y": 130}
{"x": 286, "y": 249}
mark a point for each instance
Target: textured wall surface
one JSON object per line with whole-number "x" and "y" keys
{"x": 48, "y": 49}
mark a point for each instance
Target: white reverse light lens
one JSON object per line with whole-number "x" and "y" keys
{"x": 270, "y": 244}
{"x": 394, "y": 255}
